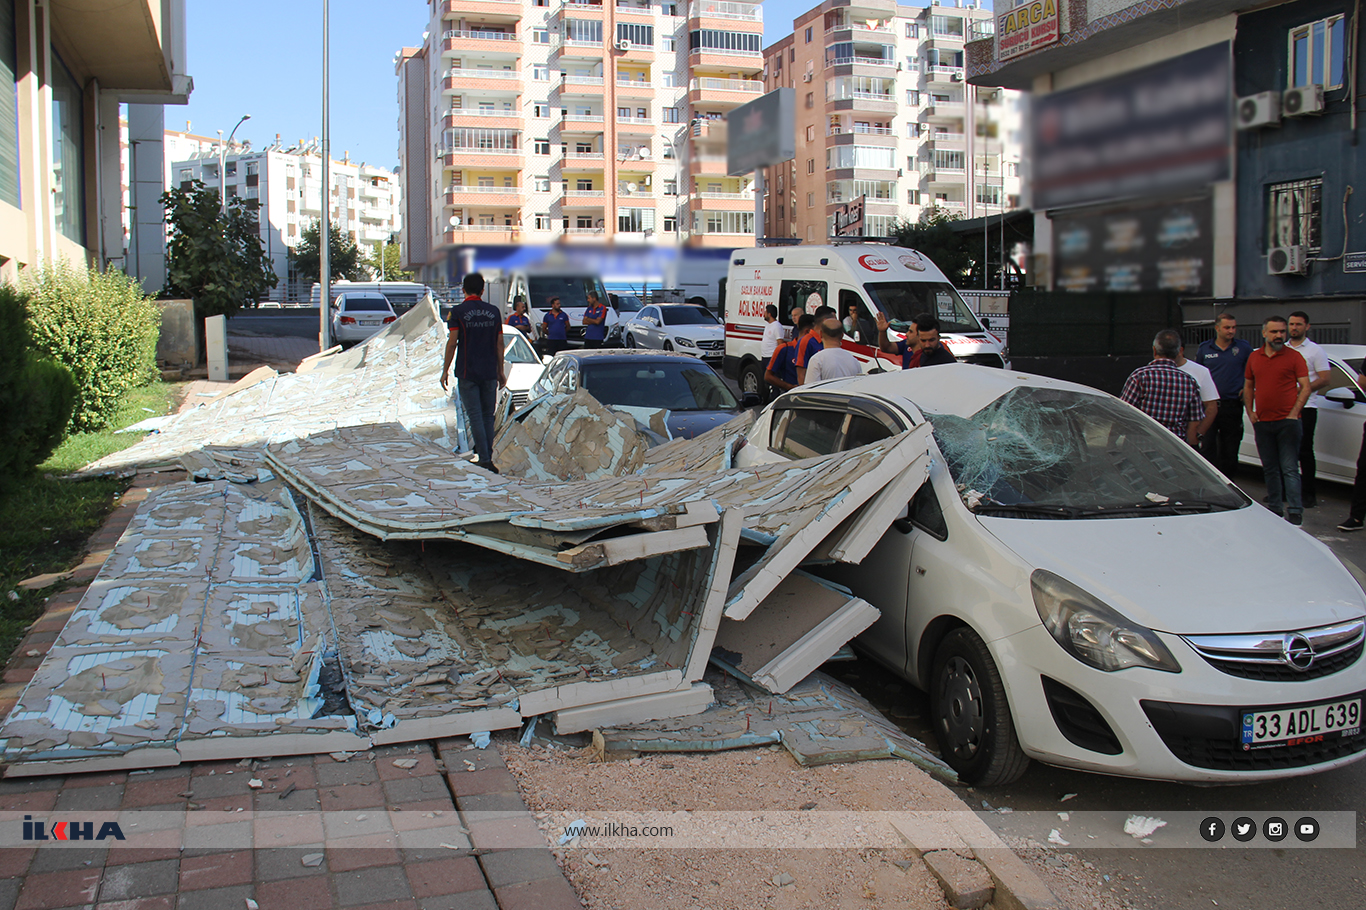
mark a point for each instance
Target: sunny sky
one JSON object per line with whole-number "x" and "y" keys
{"x": 264, "y": 58}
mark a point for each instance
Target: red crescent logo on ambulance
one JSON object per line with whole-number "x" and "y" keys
{"x": 874, "y": 263}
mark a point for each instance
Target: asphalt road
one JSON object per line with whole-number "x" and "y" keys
{"x": 1185, "y": 879}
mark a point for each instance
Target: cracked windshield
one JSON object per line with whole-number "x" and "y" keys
{"x": 1037, "y": 452}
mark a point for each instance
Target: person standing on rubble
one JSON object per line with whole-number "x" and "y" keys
{"x": 476, "y": 335}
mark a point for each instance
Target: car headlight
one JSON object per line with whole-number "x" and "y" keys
{"x": 685, "y": 342}
{"x": 1093, "y": 633}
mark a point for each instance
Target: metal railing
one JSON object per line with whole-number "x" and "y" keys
{"x": 715, "y": 195}
{"x": 582, "y": 80}
{"x": 947, "y": 137}
{"x": 496, "y": 190}
{"x": 935, "y": 73}
{"x": 476, "y": 150}
{"x": 751, "y": 12}
{"x": 583, "y": 118}
{"x": 598, "y": 156}
{"x": 861, "y": 27}
{"x": 753, "y": 86}
{"x": 858, "y": 130}
{"x": 469, "y": 73}
{"x": 862, "y": 61}
{"x": 584, "y": 194}
{"x": 478, "y": 35}
{"x": 886, "y": 97}
{"x": 483, "y": 112}
{"x": 728, "y": 51}
{"x": 584, "y": 230}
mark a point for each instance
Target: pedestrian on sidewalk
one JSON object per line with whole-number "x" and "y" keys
{"x": 1164, "y": 392}
{"x": 555, "y": 328}
{"x": 1314, "y": 356}
{"x": 476, "y": 336}
{"x": 594, "y": 322}
{"x": 1225, "y": 356}
{"x": 1274, "y": 391}
{"x": 832, "y": 361}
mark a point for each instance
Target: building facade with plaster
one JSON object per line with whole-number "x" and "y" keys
{"x": 884, "y": 113}
{"x": 286, "y": 185}
{"x": 541, "y": 121}
{"x": 65, "y": 71}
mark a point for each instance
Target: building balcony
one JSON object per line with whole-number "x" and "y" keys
{"x": 456, "y": 41}
{"x": 474, "y": 234}
{"x": 470, "y": 116}
{"x": 464, "y": 79}
{"x": 594, "y": 122}
{"x": 935, "y": 40}
{"x": 709, "y": 130}
{"x": 635, "y": 124}
{"x": 941, "y": 110}
{"x": 748, "y": 62}
{"x": 581, "y": 87}
{"x": 574, "y": 49}
{"x": 868, "y": 135}
{"x": 707, "y": 164}
{"x": 943, "y": 75}
{"x": 867, "y": 9}
{"x": 465, "y": 9}
{"x": 722, "y": 202}
{"x": 728, "y": 16}
{"x": 584, "y": 199}
{"x": 639, "y": 53}
{"x": 634, "y": 88}
{"x": 465, "y": 157}
{"x": 583, "y": 9}
{"x": 944, "y": 176}
{"x": 861, "y": 65}
{"x": 708, "y": 90}
{"x": 870, "y": 102}
{"x": 484, "y": 196}
{"x": 584, "y": 161}
{"x": 589, "y": 234}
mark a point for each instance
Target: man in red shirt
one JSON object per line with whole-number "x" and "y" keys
{"x": 1275, "y": 388}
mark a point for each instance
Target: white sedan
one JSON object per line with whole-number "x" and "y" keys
{"x": 358, "y": 316}
{"x": 1050, "y": 586}
{"x": 1337, "y": 434}
{"x": 683, "y": 327}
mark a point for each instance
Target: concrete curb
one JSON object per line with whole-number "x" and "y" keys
{"x": 1017, "y": 887}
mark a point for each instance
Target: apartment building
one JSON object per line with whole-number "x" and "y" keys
{"x": 66, "y": 72}
{"x": 286, "y": 183}
{"x": 543, "y": 121}
{"x": 884, "y": 113}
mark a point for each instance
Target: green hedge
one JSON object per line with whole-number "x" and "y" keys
{"x": 101, "y": 327}
{"x": 36, "y": 396}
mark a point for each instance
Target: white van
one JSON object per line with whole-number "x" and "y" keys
{"x": 894, "y": 280}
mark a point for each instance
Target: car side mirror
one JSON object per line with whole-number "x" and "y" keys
{"x": 1344, "y": 397}
{"x": 986, "y": 323}
{"x": 751, "y": 400}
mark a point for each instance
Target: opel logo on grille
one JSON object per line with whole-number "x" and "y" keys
{"x": 1297, "y": 652}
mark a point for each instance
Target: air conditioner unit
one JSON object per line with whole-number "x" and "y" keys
{"x": 806, "y": 77}
{"x": 1307, "y": 99}
{"x": 955, "y": 77}
{"x": 1286, "y": 260}
{"x": 623, "y": 45}
{"x": 1263, "y": 109}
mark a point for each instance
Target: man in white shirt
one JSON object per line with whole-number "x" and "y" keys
{"x": 1317, "y": 361}
{"x": 1209, "y": 392}
{"x": 832, "y": 361}
{"x": 773, "y": 333}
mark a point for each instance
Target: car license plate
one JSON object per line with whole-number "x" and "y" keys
{"x": 1308, "y": 723}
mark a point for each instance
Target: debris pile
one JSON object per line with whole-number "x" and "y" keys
{"x": 593, "y": 582}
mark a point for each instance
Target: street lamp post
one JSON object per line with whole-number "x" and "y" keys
{"x": 222, "y": 185}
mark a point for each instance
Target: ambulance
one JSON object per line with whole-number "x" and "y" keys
{"x": 872, "y": 278}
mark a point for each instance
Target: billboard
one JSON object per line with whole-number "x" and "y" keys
{"x": 1160, "y": 129}
{"x": 1026, "y": 28}
{"x": 1165, "y": 247}
{"x": 849, "y": 218}
{"x": 762, "y": 133}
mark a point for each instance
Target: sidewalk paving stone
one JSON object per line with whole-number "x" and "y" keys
{"x": 452, "y": 876}
{"x": 51, "y": 890}
{"x": 372, "y": 886}
{"x": 313, "y": 893}
{"x": 215, "y": 898}
{"x": 542, "y": 894}
{"x": 133, "y": 880}
{"x": 216, "y": 870}
{"x": 515, "y": 867}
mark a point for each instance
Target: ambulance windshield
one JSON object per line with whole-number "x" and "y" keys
{"x": 902, "y": 301}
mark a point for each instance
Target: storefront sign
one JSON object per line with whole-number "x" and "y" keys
{"x": 1026, "y": 28}
{"x": 1163, "y": 247}
{"x": 849, "y": 218}
{"x": 1354, "y": 262}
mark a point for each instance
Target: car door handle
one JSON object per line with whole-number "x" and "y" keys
{"x": 920, "y": 570}
{"x": 903, "y": 525}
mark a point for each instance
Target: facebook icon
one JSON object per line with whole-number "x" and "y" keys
{"x": 1212, "y": 829}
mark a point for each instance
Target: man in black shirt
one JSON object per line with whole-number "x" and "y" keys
{"x": 476, "y": 334}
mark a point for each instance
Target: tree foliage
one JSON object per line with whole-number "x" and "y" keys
{"x": 933, "y": 236}
{"x": 345, "y": 259}
{"x": 384, "y": 263}
{"x": 100, "y": 326}
{"x": 36, "y": 395}
{"x": 215, "y": 258}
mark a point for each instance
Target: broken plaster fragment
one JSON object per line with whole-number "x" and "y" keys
{"x": 406, "y": 764}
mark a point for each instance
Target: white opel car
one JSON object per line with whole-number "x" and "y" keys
{"x": 1073, "y": 584}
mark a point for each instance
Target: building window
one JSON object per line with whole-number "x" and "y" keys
{"x": 912, "y": 130}
{"x": 671, "y": 44}
{"x": 670, "y": 115}
{"x": 1294, "y": 214}
{"x": 642, "y": 113}
{"x": 230, "y": 169}
{"x": 912, "y": 97}
{"x": 810, "y": 200}
{"x": 670, "y": 224}
{"x": 542, "y": 221}
{"x": 670, "y": 80}
{"x": 950, "y": 26}
{"x": 810, "y": 134}
{"x": 642, "y": 35}
{"x": 623, "y": 113}
{"x": 540, "y": 36}
{"x": 911, "y": 30}
{"x": 635, "y": 221}
{"x": 543, "y": 146}
{"x": 808, "y": 34}
{"x": 540, "y": 110}
{"x": 912, "y": 197}
{"x": 68, "y": 152}
{"x": 912, "y": 64}
{"x": 670, "y": 187}
{"x": 810, "y": 100}
{"x": 540, "y": 72}
{"x": 989, "y": 194}
{"x": 719, "y": 39}
{"x": 949, "y": 160}
{"x": 1317, "y": 54}
{"x": 811, "y": 165}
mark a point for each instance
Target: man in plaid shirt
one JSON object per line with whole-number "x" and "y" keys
{"x": 1165, "y": 393}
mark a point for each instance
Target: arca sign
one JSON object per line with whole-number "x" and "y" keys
{"x": 1026, "y": 28}
{"x": 874, "y": 263}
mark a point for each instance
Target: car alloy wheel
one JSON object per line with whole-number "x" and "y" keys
{"x": 751, "y": 380}
{"x": 630, "y": 340}
{"x": 971, "y": 715}
{"x": 668, "y": 345}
